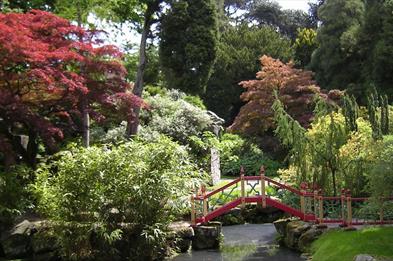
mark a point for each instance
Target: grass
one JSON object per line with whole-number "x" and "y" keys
{"x": 344, "y": 246}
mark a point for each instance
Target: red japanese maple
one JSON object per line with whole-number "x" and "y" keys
{"x": 295, "y": 87}
{"x": 51, "y": 72}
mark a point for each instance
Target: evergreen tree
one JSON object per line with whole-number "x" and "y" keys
{"x": 382, "y": 65}
{"x": 188, "y": 45}
{"x": 237, "y": 60}
{"x": 336, "y": 61}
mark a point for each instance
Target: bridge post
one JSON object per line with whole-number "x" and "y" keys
{"x": 315, "y": 204}
{"x": 320, "y": 207}
{"x": 381, "y": 212}
{"x": 193, "y": 214}
{"x": 343, "y": 207}
{"x": 243, "y": 188}
{"x": 302, "y": 199}
{"x": 349, "y": 208}
{"x": 204, "y": 200}
{"x": 263, "y": 188}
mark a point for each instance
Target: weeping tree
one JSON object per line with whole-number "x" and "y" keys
{"x": 314, "y": 152}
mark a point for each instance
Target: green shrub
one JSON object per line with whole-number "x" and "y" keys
{"x": 14, "y": 195}
{"x": 195, "y": 100}
{"x": 237, "y": 152}
{"x": 172, "y": 115}
{"x": 143, "y": 184}
{"x": 381, "y": 176}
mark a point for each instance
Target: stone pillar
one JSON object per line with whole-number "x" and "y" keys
{"x": 207, "y": 236}
{"x": 215, "y": 165}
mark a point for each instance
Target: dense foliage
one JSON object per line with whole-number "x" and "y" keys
{"x": 329, "y": 154}
{"x": 49, "y": 81}
{"x": 305, "y": 44}
{"x": 188, "y": 45}
{"x": 138, "y": 183}
{"x": 354, "y": 46}
{"x": 172, "y": 115}
{"x": 237, "y": 60}
{"x": 295, "y": 88}
{"x": 335, "y": 61}
{"x": 237, "y": 152}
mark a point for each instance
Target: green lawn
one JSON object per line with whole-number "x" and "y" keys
{"x": 343, "y": 246}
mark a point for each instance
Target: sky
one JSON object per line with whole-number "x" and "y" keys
{"x": 294, "y": 4}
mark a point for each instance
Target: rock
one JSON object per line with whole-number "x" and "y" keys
{"x": 183, "y": 245}
{"x": 44, "y": 240}
{"x": 308, "y": 237}
{"x": 364, "y": 257}
{"x": 183, "y": 234}
{"x": 232, "y": 217}
{"x": 281, "y": 226}
{"x": 256, "y": 214}
{"x": 293, "y": 232}
{"x": 16, "y": 242}
{"x": 207, "y": 236}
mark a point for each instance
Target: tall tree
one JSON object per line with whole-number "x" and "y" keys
{"x": 295, "y": 88}
{"x": 188, "y": 45}
{"x": 270, "y": 13}
{"x": 382, "y": 65}
{"x": 27, "y": 5}
{"x": 336, "y": 60}
{"x": 237, "y": 60}
{"x": 46, "y": 73}
{"x": 313, "y": 11}
{"x": 143, "y": 15}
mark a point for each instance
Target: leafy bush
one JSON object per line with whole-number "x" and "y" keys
{"x": 195, "y": 100}
{"x": 381, "y": 176}
{"x": 171, "y": 115}
{"x": 97, "y": 189}
{"x": 14, "y": 196}
{"x": 237, "y": 152}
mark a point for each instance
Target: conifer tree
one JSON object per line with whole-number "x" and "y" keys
{"x": 188, "y": 45}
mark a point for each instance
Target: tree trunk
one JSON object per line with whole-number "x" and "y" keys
{"x": 85, "y": 103}
{"x": 32, "y": 149}
{"x": 133, "y": 121}
{"x": 85, "y": 124}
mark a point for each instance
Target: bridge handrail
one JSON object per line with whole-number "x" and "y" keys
{"x": 300, "y": 193}
{"x": 255, "y": 178}
{"x": 211, "y": 193}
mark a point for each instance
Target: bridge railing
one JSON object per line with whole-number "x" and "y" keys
{"x": 307, "y": 203}
{"x": 245, "y": 189}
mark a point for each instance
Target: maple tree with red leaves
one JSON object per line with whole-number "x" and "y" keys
{"x": 295, "y": 88}
{"x": 52, "y": 75}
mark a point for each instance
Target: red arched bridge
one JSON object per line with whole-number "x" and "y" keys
{"x": 306, "y": 204}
